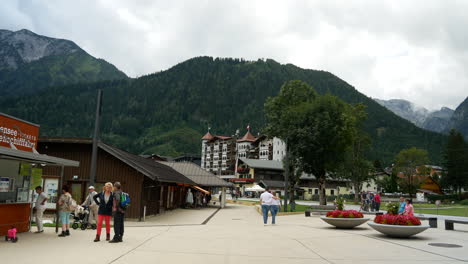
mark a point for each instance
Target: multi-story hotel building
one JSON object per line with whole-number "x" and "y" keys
{"x": 220, "y": 154}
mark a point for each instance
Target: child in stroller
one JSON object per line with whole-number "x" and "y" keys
{"x": 81, "y": 218}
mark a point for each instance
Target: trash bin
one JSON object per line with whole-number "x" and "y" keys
{"x": 307, "y": 213}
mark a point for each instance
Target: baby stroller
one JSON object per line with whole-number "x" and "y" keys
{"x": 81, "y": 218}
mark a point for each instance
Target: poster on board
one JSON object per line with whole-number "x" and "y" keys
{"x": 51, "y": 188}
{"x": 4, "y": 184}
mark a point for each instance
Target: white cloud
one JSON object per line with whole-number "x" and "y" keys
{"x": 415, "y": 50}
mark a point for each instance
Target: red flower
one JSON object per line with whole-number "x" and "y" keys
{"x": 345, "y": 214}
{"x": 397, "y": 220}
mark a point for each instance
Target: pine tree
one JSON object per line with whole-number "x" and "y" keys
{"x": 456, "y": 162}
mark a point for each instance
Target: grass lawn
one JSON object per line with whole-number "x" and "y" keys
{"x": 448, "y": 211}
{"x": 430, "y": 205}
{"x": 46, "y": 225}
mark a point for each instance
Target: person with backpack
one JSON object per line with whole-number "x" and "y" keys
{"x": 66, "y": 206}
{"x": 121, "y": 202}
{"x": 105, "y": 201}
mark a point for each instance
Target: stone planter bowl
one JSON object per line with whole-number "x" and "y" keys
{"x": 344, "y": 223}
{"x": 398, "y": 230}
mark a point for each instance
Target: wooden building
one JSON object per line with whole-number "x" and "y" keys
{"x": 153, "y": 187}
{"x": 266, "y": 173}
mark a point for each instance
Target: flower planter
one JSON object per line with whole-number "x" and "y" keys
{"x": 344, "y": 223}
{"x": 398, "y": 230}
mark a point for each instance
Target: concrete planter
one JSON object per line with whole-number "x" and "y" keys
{"x": 344, "y": 223}
{"x": 398, "y": 230}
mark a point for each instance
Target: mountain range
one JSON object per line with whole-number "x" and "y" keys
{"x": 436, "y": 121}
{"x": 31, "y": 62}
{"x": 168, "y": 112}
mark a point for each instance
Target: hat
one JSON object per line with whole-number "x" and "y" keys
{"x": 91, "y": 187}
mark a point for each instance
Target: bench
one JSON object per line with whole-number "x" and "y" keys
{"x": 449, "y": 223}
{"x": 432, "y": 220}
{"x": 321, "y": 209}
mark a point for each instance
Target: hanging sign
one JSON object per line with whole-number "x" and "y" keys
{"x": 21, "y": 134}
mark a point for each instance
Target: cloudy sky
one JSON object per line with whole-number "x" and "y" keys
{"x": 415, "y": 50}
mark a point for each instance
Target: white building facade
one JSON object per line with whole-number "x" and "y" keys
{"x": 219, "y": 154}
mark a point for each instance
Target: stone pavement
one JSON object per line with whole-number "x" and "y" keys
{"x": 236, "y": 235}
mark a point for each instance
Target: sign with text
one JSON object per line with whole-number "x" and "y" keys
{"x": 23, "y": 135}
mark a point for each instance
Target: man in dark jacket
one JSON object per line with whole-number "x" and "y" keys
{"x": 119, "y": 214}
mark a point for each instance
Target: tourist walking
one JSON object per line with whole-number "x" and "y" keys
{"x": 401, "y": 209}
{"x": 208, "y": 199}
{"x": 265, "y": 201}
{"x": 377, "y": 202}
{"x": 91, "y": 204}
{"x": 40, "y": 208}
{"x": 189, "y": 199}
{"x": 119, "y": 214}
{"x": 105, "y": 201}
{"x": 409, "y": 209}
{"x": 66, "y": 204}
{"x": 274, "y": 208}
{"x": 371, "y": 202}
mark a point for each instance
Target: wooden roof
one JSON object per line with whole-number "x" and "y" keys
{"x": 148, "y": 167}
{"x": 248, "y": 137}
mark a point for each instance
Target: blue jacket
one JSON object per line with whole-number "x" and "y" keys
{"x": 104, "y": 208}
{"x": 402, "y": 207}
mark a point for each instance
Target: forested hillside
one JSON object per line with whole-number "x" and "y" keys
{"x": 31, "y": 62}
{"x": 167, "y": 112}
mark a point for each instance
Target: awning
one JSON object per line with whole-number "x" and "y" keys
{"x": 201, "y": 189}
{"x": 255, "y": 188}
{"x": 14, "y": 154}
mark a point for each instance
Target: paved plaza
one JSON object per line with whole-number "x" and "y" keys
{"x": 237, "y": 235}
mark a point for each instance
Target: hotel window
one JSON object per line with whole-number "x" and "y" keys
{"x": 316, "y": 191}
{"x": 332, "y": 192}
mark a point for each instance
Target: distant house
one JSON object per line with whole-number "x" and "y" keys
{"x": 426, "y": 178}
{"x": 310, "y": 187}
{"x": 266, "y": 173}
{"x": 430, "y": 186}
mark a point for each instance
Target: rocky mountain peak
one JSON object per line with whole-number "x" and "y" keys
{"x": 25, "y": 46}
{"x": 431, "y": 120}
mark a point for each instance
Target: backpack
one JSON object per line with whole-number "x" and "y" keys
{"x": 72, "y": 205}
{"x": 124, "y": 200}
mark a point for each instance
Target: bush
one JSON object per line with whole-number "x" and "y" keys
{"x": 447, "y": 197}
{"x": 464, "y": 202}
{"x": 392, "y": 208}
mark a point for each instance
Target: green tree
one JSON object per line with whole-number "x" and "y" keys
{"x": 407, "y": 162}
{"x": 389, "y": 183}
{"x": 295, "y": 173}
{"x": 317, "y": 129}
{"x": 456, "y": 160}
{"x": 355, "y": 166}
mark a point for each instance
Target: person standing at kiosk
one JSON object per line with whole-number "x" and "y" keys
{"x": 40, "y": 208}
